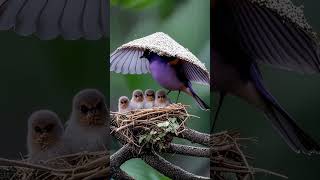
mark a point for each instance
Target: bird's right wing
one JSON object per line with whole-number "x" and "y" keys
{"x": 276, "y": 33}
{"x": 128, "y": 61}
{"x": 196, "y": 74}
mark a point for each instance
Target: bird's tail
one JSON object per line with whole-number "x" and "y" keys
{"x": 199, "y": 101}
{"x": 293, "y": 135}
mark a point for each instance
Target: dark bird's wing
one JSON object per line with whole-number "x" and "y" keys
{"x": 128, "y": 61}
{"x": 72, "y": 19}
{"x": 275, "y": 33}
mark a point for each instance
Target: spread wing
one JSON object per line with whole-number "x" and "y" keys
{"x": 270, "y": 38}
{"x": 128, "y": 61}
{"x": 47, "y": 19}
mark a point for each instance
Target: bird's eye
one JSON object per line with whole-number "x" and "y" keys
{"x": 99, "y": 105}
{"x": 49, "y": 127}
{"x": 37, "y": 129}
{"x": 84, "y": 109}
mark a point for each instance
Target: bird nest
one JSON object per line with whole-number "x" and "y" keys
{"x": 227, "y": 160}
{"x": 75, "y": 166}
{"x": 145, "y": 127}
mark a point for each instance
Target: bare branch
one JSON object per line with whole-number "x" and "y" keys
{"x": 119, "y": 174}
{"x": 168, "y": 169}
{"x": 188, "y": 150}
{"x": 195, "y": 136}
{"x": 120, "y": 157}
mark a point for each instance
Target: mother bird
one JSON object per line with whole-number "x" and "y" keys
{"x": 170, "y": 64}
{"x": 248, "y": 32}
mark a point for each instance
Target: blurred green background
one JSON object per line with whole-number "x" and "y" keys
{"x": 186, "y": 21}
{"x": 37, "y": 74}
{"x": 300, "y": 95}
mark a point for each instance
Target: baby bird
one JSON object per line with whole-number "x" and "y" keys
{"x": 162, "y": 100}
{"x": 123, "y": 104}
{"x": 44, "y": 139}
{"x": 136, "y": 100}
{"x": 86, "y": 129}
{"x": 149, "y": 98}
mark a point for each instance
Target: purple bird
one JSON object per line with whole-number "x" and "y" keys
{"x": 246, "y": 33}
{"x": 171, "y": 65}
{"x": 169, "y": 73}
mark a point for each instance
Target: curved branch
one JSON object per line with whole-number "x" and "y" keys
{"x": 188, "y": 150}
{"x": 168, "y": 169}
{"x": 195, "y": 136}
{"x": 118, "y": 158}
{"x": 119, "y": 174}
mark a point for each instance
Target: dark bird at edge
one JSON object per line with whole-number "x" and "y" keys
{"x": 245, "y": 34}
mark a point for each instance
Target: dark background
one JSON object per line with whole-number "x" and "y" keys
{"x": 37, "y": 74}
{"x": 300, "y": 95}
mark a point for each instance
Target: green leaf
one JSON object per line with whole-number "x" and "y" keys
{"x": 141, "y": 138}
{"x": 153, "y": 132}
{"x": 163, "y": 124}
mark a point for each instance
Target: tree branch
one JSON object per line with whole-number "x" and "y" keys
{"x": 188, "y": 150}
{"x": 117, "y": 159}
{"x": 168, "y": 169}
{"x": 119, "y": 174}
{"x": 195, "y": 136}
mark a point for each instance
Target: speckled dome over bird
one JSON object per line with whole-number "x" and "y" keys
{"x": 286, "y": 9}
{"x": 126, "y": 59}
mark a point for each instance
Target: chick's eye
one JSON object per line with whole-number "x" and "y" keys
{"x": 37, "y": 129}
{"x": 84, "y": 109}
{"x": 99, "y": 105}
{"x": 49, "y": 128}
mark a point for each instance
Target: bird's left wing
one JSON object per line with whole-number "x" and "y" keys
{"x": 128, "y": 61}
{"x": 47, "y": 19}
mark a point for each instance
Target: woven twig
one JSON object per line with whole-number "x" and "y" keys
{"x": 156, "y": 123}
{"x": 75, "y": 166}
{"x": 227, "y": 158}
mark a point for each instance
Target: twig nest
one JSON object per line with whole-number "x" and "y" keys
{"x": 74, "y": 166}
{"x": 151, "y": 126}
{"x": 228, "y": 160}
